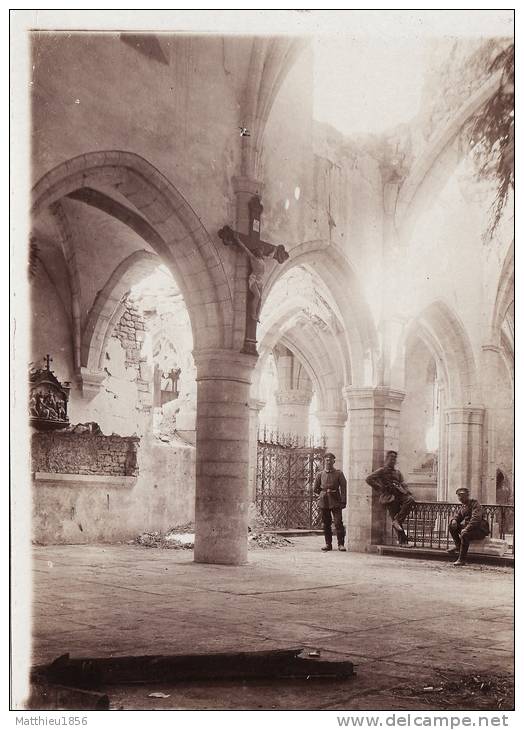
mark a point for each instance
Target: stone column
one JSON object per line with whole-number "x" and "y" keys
{"x": 464, "y": 446}
{"x": 255, "y": 406}
{"x": 374, "y": 415}
{"x": 490, "y": 365}
{"x": 293, "y": 412}
{"x": 222, "y": 456}
{"x": 332, "y": 427}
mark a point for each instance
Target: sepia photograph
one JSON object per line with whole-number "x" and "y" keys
{"x": 262, "y": 361}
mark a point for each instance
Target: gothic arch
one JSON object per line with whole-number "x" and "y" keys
{"x": 446, "y": 338}
{"x": 326, "y": 366}
{"x": 334, "y": 272}
{"x": 164, "y": 217}
{"x": 505, "y": 295}
{"x": 107, "y": 307}
{"x": 419, "y": 186}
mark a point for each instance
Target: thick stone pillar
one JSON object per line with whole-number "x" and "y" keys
{"x": 332, "y": 427}
{"x": 293, "y": 412}
{"x": 222, "y": 456}
{"x": 464, "y": 450}
{"x": 255, "y": 406}
{"x": 374, "y": 415}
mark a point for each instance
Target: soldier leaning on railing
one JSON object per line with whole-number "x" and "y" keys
{"x": 394, "y": 494}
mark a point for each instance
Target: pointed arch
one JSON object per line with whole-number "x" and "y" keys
{"x": 419, "y": 187}
{"x": 331, "y": 268}
{"x": 107, "y": 307}
{"x": 158, "y": 211}
{"x": 445, "y": 336}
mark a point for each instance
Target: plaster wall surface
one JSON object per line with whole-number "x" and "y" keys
{"x": 442, "y": 262}
{"x": 162, "y": 497}
{"x": 166, "y": 119}
{"x": 289, "y": 186}
{"x": 50, "y": 327}
{"x": 416, "y": 419}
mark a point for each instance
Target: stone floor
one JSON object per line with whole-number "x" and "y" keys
{"x": 404, "y": 623}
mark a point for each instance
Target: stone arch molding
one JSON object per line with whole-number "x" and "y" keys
{"x": 331, "y": 268}
{"x": 175, "y": 232}
{"x": 105, "y": 313}
{"x": 445, "y": 336}
{"x": 419, "y": 187}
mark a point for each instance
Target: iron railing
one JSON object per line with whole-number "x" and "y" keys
{"x": 428, "y": 522}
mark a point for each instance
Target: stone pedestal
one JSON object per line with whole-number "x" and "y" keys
{"x": 374, "y": 415}
{"x": 222, "y": 456}
{"x": 332, "y": 428}
{"x": 293, "y": 412}
{"x": 464, "y": 450}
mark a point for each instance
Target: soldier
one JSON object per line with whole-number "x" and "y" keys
{"x": 469, "y": 523}
{"x": 394, "y": 494}
{"x": 330, "y": 485}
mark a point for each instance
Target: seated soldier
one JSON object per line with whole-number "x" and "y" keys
{"x": 469, "y": 523}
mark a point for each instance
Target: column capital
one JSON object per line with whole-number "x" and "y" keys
{"x": 256, "y": 405}
{"x": 293, "y": 397}
{"x": 215, "y": 364}
{"x": 377, "y": 397}
{"x": 90, "y": 381}
{"x": 491, "y": 348}
{"x": 331, "y": 418}
{"x": 245, "y": 184}
{"x": 465, "y": 415}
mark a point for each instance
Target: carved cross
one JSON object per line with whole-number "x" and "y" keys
{"x": 257, "y": 250}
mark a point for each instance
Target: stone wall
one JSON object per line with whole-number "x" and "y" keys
{"x": 130, "y": 330}
{"x": 84, "y": 453}
{"x": 108, "y": 509}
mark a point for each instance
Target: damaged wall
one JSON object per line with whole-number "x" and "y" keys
{"x": 84, "y": 453}
{"x": 80, "y": 510}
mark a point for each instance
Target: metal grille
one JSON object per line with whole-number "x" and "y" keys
{"x": 427, "y": 524}
{"x": 285, "y": 474}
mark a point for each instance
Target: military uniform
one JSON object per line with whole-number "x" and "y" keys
{"x": 394, "y": 494}
{"x": 330, "y": 485}
{"x": 469, "y": 523}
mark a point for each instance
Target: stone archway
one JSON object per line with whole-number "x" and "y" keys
{"x": 461, "y": 433}
{"x": 156, "y": 210}
{"x": 105, "y": 313}
{"x": 358, "y": 338}
{"x": 419, "y": 187}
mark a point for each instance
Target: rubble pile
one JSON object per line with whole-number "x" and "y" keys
{"x": 267, "y": 540}
{"x": 466, "y": 691}
{"x": 182, "y": 537}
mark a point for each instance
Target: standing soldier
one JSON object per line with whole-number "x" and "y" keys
{"x": 330, "y": 485}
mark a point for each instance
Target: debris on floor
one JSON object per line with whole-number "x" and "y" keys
{"x": 182, "y": 537}
{"x": 267, "y": 540}
{"x": 172, "y": 539}
{"x": 466, "y": 691}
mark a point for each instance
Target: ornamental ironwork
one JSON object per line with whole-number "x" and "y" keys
{"x": 48, "y": 399}
{"x": 286, "y": 468}
{"x": 427, "y": 525}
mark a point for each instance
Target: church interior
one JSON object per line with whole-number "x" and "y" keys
{"x": 381, "y": 317}
{"x": 247, "y": 250}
